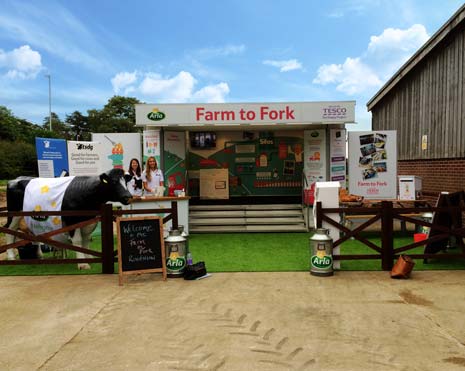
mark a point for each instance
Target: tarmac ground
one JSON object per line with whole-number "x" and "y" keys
{"x": 234, "y": 321}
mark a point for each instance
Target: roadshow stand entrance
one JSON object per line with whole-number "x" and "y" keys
{"x": 141, "y": 248}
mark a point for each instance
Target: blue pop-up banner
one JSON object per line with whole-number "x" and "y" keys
{"x": 52, "y": 157}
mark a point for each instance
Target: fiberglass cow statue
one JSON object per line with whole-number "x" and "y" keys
{"x": 67, "y": 193}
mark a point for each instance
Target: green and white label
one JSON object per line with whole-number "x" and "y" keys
{"x": 175, "y": 264}
{"x": 156, "y": 115}
{"x": 322, "y": 263}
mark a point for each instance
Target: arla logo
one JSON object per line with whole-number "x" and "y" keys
{"x": 323, "y": 262}
{"x": 175, "y": 264}
{"x": 156, "y": 115}
{"x": 314, "y": 134}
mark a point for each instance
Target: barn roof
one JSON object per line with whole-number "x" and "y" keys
{"x": 448, "y": 28}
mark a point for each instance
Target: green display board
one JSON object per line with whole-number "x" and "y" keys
{"x": 259, "y": 163}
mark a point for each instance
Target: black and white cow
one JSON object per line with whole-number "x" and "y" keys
{"x": 82, "y": 193}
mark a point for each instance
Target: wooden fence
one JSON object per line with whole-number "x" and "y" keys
{"x": 106, "y": 215}
{"x": 385, "y": 213}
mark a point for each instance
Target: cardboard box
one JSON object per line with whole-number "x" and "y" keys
{"x": 214, "y": 184}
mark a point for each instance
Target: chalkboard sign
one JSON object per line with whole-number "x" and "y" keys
{"x": 141, "y": 247}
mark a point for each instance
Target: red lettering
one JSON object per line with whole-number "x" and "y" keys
{"x": 283, "y": 114}
{"x": 199, "y": 112}
{"x": 289, "y": 114}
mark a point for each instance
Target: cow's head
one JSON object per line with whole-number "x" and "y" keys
{"x": 114, "y": 186}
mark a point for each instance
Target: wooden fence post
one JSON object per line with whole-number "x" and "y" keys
{"x": 387, "y": 243}
{"x": 174, "y": 215}
{"x": 107, "y": 239}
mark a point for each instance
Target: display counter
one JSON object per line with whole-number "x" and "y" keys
{"x": 151, "y": 202}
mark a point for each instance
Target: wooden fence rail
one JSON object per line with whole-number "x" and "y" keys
{"x": 386, "y": 214}
{"x": 107, "y": 257}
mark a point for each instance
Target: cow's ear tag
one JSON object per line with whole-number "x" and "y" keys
{"x": 104, "y": 178}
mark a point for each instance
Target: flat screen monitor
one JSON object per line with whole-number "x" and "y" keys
{"x": 203, "y": 139}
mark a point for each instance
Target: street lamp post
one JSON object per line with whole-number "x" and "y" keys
{"x": 49, "y": 100}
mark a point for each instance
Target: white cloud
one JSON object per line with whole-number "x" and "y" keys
{"x": 384, "y": 55}
{"x": 123, "y": 80}
{"x": 212, "y": 93}
{"x": 394, "y": 39}
{"x": 285, "y": 66}
{"x": 21, "y": 63}
{"x": 38, "y": 25}
{"x": 177, "y": 89}
{"x": 352, "y": 77}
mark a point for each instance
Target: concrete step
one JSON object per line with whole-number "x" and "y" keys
{"x": 248, "y": 228}
{"x": 243, "y": 213}
{"x": 246, "y": 218}
{"x": 290, "y": 220}
{"x": 245, "y": 221}
{"x": 245, "y": 207}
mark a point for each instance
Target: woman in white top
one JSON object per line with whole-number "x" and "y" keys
{"x": 135, "y": 186}
{"x": 152, "y": 177}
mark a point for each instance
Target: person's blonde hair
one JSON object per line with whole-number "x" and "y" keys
{"x": 147, "y": 168}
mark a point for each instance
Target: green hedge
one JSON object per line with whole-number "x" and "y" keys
{"x": 17, "y": 158}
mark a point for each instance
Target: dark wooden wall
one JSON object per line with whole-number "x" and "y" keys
{"x": 430, "y": 101}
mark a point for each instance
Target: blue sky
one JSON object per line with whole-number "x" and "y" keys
{"x": 206, "y": 50}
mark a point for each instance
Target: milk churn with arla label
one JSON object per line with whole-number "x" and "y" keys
{"x": 175, "y": 248}
{"x": 321, "y": 253}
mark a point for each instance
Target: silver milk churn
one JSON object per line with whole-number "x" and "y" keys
{"x": 175, "y": 253}
{"x": 321, "y": 253}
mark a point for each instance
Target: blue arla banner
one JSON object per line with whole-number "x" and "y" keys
{"x": 52, "y": 157}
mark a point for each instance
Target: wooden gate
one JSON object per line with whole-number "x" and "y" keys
{"x": 386, "y": 214}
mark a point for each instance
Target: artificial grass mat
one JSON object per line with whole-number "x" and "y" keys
{"x": 290, "y": 252}
{"x": 258, "y": 252}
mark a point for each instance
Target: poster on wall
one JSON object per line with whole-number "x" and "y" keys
{"x": 118, "y": 149}
{"x": 52, "y": 158}
{"x": 373, "y": 164}
{"x": 315, "y": 156}
{"x": 174, "y": 157}
{"x": 151, "y": 145}
{"x": 84, "y": 158}
{"x": 338, "y": 154}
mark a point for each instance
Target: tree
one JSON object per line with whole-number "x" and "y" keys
{"x": 59, "y": 128}
{"x": 8, "y": 125}
{"x": 79, "y": 125}
{"x": 18, "y": 158}
{"x": 117, "y": 116}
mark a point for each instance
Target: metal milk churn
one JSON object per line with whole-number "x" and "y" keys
{"x": 321, "y": 253}
{"x": 175, "y": 254}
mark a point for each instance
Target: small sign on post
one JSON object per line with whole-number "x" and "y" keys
{"x": 141, "y": 248}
